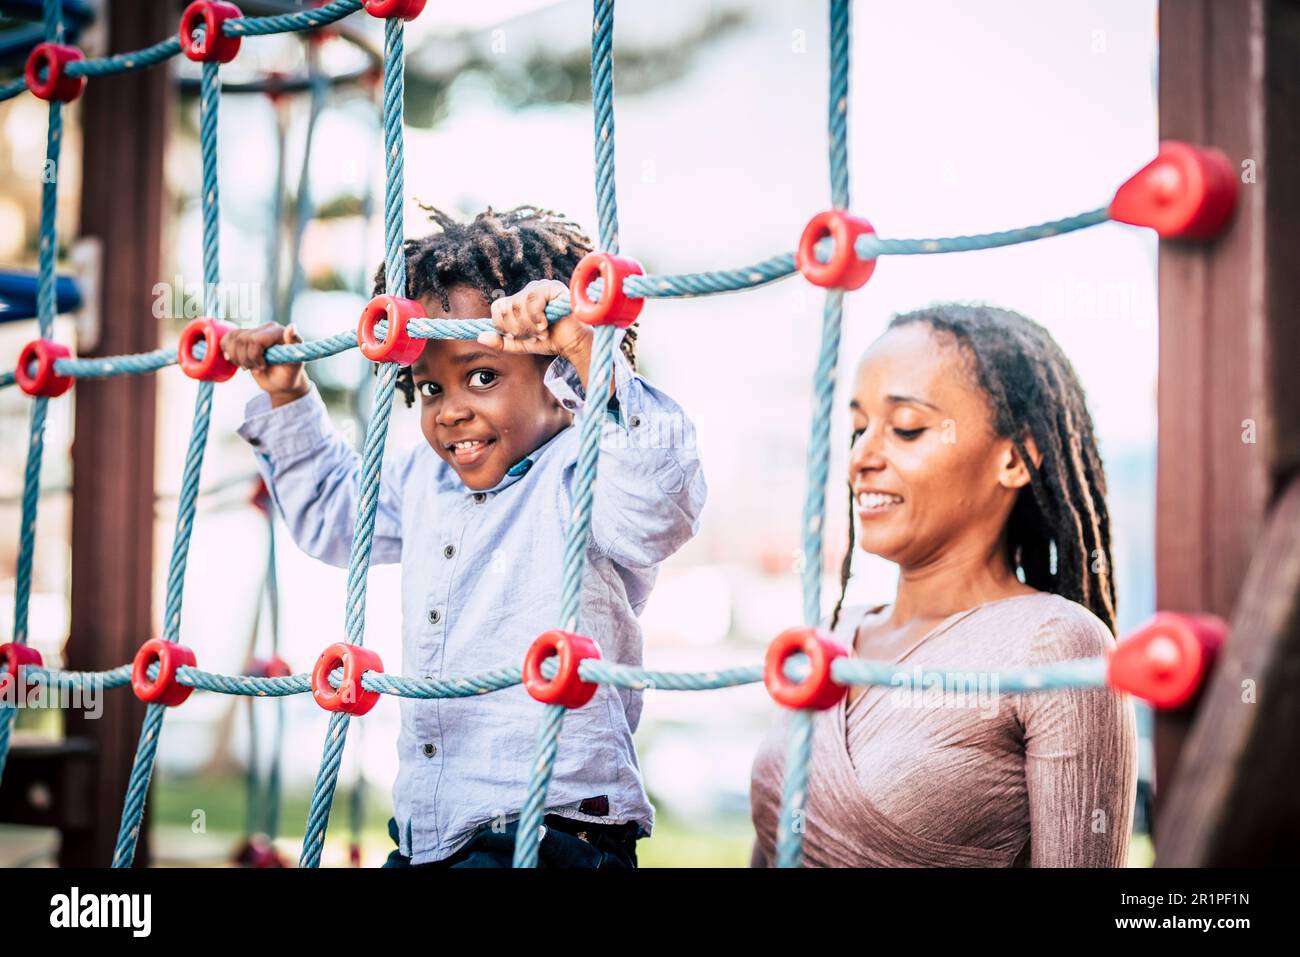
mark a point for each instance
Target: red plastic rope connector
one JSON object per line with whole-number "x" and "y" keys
{"x": 567, "y": 687}
{"x": 818, "y": 690}
{"x": 273, "y": 667}
{"x": 1186, "y": 192}
{"x": 388, "y": 9}
{"x": 1166, "y": 660}
{"x": 215, "y": 47}
{"x": 164, "y": 689}
{"x": 14, "y": 656}
{"x": 397, "y": 345}
{"x": 349, "y": 696}
{"x": 214, "y": 366}
{"x": 615, "y": 307}
{"x": 44, "y": 381}
{"x": 844, "y": 270}
{"x": 57, "y": 85}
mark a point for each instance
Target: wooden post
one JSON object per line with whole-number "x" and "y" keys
{"x": 1229, "y": 438}
{"x": 124, "y": 119}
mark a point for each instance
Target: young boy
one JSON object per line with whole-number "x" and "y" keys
{"x": 477, "y": 518}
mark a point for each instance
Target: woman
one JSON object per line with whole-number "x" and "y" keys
{"x": 975, "y": 469}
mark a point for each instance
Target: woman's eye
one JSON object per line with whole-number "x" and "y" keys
{"x": 857, "y": 434}
{"x": 481, "y": 372}
{"x": 908, "y": 435}
{"x": 426, "y": 389}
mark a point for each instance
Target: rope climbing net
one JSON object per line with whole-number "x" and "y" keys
{"x": 1186, "y": 192}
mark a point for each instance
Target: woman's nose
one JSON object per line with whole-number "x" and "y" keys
{"x": 865, "y": 453}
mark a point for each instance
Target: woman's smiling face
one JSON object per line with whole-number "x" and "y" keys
{"x": 928, "y": 473}
{"x": 471, "y": 393}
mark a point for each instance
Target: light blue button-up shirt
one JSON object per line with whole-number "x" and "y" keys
{"x": 481, "y": 579}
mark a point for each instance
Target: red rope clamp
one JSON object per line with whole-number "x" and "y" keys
{"x": 14, "y": 657}
{"x": 615, "y": 307}
{"x": 214, "y": 366}
{"x": 1166, "y": 660}
{"x": 215, "y": 47}
{"x": 844, "y": 270}
{"x": 819, "y": 690}
{"x": 164, "y": 689}
{"x": 566, "y": 688}
{"x": 273, "y": 667}
{"x": 349, "y": 696}
{"x": 388, "y": 9}
{"x": 44, "y": 381}
{"x": 1186, "y": 192}
{"x": 397, "y": 345}
{"x": 57, "y": 85}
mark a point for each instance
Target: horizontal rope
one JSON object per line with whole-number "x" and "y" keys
{"x": 680, "y": 286}
{"x": 1077, "y": 673}
{"x": 164, "y": 50}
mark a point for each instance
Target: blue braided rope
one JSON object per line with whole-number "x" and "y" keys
{"x": 137, "y": 788}
{"x": 376, "y": 433}
{"x": 291, "y": 22}
{"x": 602, "y": 102}
{"x": 27, "y": 528}
{"x": 46, "y": 311}
{"x": 160, "y": 52}
{"x": 644, "y": 287}
{"x": 861, "y": 672}
{"x": 133, "y": 809}
{"x": 602, "y": 107}
{"x": 164, "y": 50}
{"x": 790, "y": 835}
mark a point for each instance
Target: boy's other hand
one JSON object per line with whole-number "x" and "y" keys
{"x": 522, "y": 326}
{"x": 247, "y": 349}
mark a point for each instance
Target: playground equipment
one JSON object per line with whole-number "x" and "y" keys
{"x": 1186, "y": 192}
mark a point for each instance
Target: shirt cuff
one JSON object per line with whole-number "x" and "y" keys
{"x": 288, "y": 431}
{"x": 566, "y": 385}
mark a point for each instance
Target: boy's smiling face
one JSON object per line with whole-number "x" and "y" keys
{"x": 469, "y": 391}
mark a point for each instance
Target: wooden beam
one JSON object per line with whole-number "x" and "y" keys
{"x": 1229, "y": 401}
{"x": 124, "y": 121}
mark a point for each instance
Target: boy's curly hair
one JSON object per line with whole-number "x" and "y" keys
{"x": 497, "y": 253}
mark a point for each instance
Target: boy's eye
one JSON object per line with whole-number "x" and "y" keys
{"x": 427, "y": 389}
{"x": 487, "y": 372}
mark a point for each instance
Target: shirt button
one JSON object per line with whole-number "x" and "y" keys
{"x": 430, "y": 750}
{"x": 634, "y": 421}
{"x": 435, "y": 616}
{"x": 449, "y": 551}
{"x": 254, "y": 441}
{"x": 480, "y": 497}
{"x": 570, "y": 404}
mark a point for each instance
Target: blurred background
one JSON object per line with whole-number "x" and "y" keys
{"x": 964, "y": 118}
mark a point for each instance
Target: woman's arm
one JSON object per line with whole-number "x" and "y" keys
{"x": 314, "y": 478}
{"x": 1080, "y": 757}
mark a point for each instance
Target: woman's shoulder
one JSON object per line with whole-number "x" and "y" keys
{"x": 1057, "y": 628}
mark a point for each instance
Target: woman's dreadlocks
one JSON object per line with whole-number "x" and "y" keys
{"x": 1058, "y": 533}
{"x": 496, "y": 254}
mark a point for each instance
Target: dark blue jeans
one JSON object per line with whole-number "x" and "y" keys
{"x": 567, "y": 843}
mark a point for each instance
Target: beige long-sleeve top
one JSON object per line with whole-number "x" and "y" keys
{"x": 903, "y": 778}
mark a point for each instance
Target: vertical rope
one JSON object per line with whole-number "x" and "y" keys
{"x": 137, "y": 788}
{"x": 376, "y": 434}
{"x": 790, "y": 835}
{"x": 142, "y": 770}
{"x": 592, "y": 420}
{"x": 46, "y": 310}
